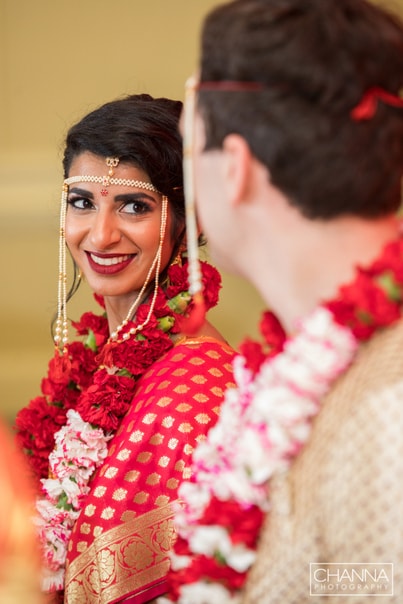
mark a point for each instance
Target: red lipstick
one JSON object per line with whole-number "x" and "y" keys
{"x": 109, "y": 264}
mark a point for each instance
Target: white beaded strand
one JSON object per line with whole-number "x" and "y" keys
{"x": 156, "y": 264}
{"x": 195, "y": 283}
{"x": 125, "y": 182}
{"x": 61, "y": 336}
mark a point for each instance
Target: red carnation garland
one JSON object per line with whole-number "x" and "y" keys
{"x": 274, "y": 337}
{"x": 87, "y": 393}
{"x": 76, "y": 381}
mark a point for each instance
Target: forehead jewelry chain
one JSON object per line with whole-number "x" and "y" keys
{"x": 111, "y": 162}
{"x": 121, "y": 182}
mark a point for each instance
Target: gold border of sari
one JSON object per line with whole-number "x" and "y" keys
{"x": 103, "y": 573}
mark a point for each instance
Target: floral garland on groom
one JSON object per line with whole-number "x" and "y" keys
{"x": 264, "y": 424}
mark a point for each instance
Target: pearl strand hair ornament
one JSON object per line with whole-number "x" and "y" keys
{"x": 61, "y": 327}
{"x": 189, "y": 109}
{"x": 61, "y": 336}
{"x": 155, "y": 267}
{"x": 195, "y": 283}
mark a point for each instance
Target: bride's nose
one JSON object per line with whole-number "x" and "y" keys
{"x": 105, "y": 230}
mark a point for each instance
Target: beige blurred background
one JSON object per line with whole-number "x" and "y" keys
{"x": 59, "y": 60}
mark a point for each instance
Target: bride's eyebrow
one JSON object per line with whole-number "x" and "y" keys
{"x": 126, "y": 197}
{"x": 83, "y": 192}
{"x": 134, "y": 197}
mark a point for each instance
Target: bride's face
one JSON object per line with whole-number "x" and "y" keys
{"x": 113, "y": 232}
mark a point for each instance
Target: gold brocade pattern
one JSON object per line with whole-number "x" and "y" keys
{"x": 106, "y": 567}
{"x": 120, "y": 543}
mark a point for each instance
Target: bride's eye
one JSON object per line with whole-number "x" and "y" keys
{"x": 136, "y": 207}
{"x": 80, "y": 203}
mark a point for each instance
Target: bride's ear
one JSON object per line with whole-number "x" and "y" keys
{"x": 237, "y": 167}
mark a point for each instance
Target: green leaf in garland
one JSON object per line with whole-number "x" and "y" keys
{"x": 166, "y": 323}
{"x": 219, "y": 558}
{"x": 392, "y": 289}
{"x": 364, "y": 317}
{"x": 71, "y": 386}
{"x": 180, "y": 302}
{"x": 124, "y": 373}
{"x": 58, "y": 404}
{"x": 62, "y": 502}
{"x": 90, "y": 341}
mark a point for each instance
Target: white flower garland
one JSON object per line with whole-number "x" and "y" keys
{"x": 263, "y": 424}
{"x": 79, "y": 450}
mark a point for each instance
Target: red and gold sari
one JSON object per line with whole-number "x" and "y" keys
{"x": 119, "y": 547}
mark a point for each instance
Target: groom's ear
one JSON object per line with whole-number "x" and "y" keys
{"x": 237, "y": 167}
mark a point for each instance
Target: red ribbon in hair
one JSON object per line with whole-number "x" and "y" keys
{"x": 366, "y": 108}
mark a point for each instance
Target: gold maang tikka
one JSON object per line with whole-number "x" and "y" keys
{"x": 111, "y": 162}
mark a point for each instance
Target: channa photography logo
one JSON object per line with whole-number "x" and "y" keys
{"x": 349, "y": 579}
